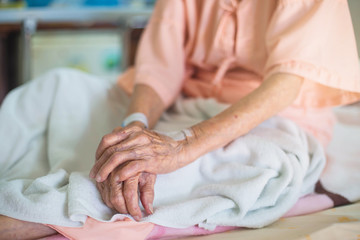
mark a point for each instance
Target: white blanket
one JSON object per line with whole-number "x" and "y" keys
{"x": 50, "y": 129}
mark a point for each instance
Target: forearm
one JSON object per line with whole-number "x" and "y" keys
{"x": 275, "y": 94}
{"x": 166, "y": 155}
{"x": 148, "y": 102}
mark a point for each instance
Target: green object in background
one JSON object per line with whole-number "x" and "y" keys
{"x": 12, "y": 4}
{"x": 111, "y": 60}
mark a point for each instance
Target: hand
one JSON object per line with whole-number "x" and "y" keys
{"x": 123, "y": 196}
{"x": 135, "y": 150}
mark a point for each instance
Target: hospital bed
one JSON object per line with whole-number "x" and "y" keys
{"x": 335, "y": 223}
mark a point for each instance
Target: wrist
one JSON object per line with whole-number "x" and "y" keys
{"x": 137, "y": 123}
{"x": 187, "y": 146}
{"x": 193, "y": 145}
{"x": 136, "y": 118}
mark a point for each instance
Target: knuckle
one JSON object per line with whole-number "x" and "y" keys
{"x": 110, "y": 151}
{"x": 134, "y": 166}
{"x": 132, "y": 180}
{"x": 136, "y": 152}
{"x": 115, "y": 159}
{"x": 117, "y": 129}
{"x": 144, "y": 138}
{"x": 105, "y": 139}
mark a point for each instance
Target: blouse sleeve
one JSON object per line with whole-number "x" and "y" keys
{"x": 315, "y": 39}
{"x": 160, "y": 61}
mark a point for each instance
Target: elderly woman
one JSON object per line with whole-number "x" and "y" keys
{"x": 260, "y": 57}
{"x": 291, "y": 58}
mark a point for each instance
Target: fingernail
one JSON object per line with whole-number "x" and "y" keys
{"x": 151, "y": 208}
{"x": 98, "y": 178}
{"x": 137, "y": 218}
{"x": 91, "y": 175}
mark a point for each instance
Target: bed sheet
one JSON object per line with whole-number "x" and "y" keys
{"x": 341, "y": 223}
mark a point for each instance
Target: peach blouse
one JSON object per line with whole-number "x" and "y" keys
{"x": 224, "y": 49}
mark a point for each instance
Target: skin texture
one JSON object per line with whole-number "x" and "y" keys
{"x": 154, "y": 153}
{"x": 124, "y": 197}
{"x": 11, "y": 228}
{"x": 127, "y": 152}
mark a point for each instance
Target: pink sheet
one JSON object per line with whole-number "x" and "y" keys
{"x": 134, "y": 230}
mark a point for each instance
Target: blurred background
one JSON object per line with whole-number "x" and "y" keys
{"x": 95, "y": 36}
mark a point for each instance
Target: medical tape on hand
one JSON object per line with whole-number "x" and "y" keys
{"x": 179, "y": 135}
{"x": 186, "y": 132}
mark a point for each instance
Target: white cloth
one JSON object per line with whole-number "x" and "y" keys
{"x": 342, "y": 172}
{"x": 51, "y": 127}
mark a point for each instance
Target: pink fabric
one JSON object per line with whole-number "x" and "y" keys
{"x": 160, "y": 232}
{"x": 94, "y": 229}
{"x": 218, "y": 48}
{"x": 309, "y": 204}
{"x": 55, "y": 237}
{"x": 134, "y": 230}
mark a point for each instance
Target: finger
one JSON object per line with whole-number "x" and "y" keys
{"x": 131, "y": 197}
{"x": 116, "y": 197}
{"x": 106, "y": 142}
{"x": 131, "y": 169}
{"x": 130, "y": 143}
{"x": 102, "y": 171}
{"x": 109, "y": 140}
{"x": 105, "y": 193}
{"x": 107, "y": 197}
{"x": 117, "y": 129}
{"x": 115, "y": 138}
{"x": 146, "y": 189}
{"x": 114, "y": 155}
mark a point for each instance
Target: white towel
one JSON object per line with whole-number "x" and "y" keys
{"x": 50, "y": 129}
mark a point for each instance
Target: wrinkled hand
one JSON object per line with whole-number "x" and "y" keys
{"x": 124, "y": 196}
{"x": 134, "y": 150}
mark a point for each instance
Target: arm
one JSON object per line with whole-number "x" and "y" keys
{"x": 134, "y": 153}
{"x": 140, "y": 150}
{"x": 275, "y": 94}
{"x": 148, "y": 102}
